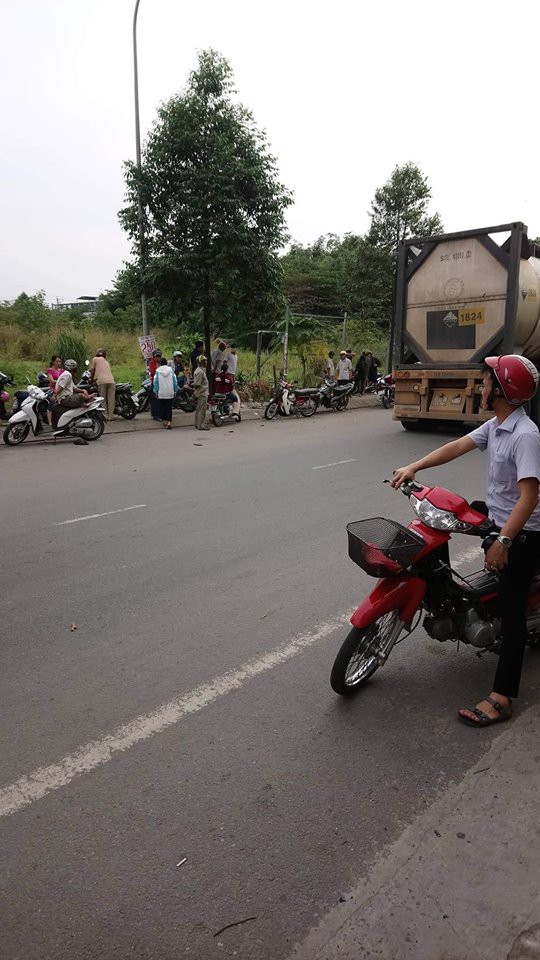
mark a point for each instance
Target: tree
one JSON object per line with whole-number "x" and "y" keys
{"x": 400, "y": 209}
{"x": 214, "y": 208}
{"x": 366, "y": 275}
{"x": 311, "y": 277}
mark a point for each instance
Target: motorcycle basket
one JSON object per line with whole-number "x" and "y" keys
{"x": 382, "y": 547}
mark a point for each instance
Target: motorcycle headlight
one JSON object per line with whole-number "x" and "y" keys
{"x": 436, "y": 518}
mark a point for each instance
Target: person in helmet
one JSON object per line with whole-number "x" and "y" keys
{"x": 512, "y": 442}
{"x": 66, "y": 394}
{"x": 177, "y": 366}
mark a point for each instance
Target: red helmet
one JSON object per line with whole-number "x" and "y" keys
{"x": 517, "y": 376}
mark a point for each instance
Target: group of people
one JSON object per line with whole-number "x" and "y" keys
{"x": 170, "y": 376}
{"x": 364, "y": 373}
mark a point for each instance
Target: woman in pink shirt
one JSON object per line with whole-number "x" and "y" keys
{"x": 55, "y": 369}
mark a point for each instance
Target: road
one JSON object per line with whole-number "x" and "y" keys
{"x": 171, "y": 607}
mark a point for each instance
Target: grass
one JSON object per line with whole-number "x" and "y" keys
{"x": 24, "y": 353}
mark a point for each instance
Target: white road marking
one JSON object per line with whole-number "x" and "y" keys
{"x": 44, "y": 780}
{"x": 336, "y": 464}
{"x": 95, "y": 516}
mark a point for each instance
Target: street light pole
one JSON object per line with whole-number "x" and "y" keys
{"x": 146, "y": 330}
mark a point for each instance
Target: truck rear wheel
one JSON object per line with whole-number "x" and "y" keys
{"x": 417, "y": 425}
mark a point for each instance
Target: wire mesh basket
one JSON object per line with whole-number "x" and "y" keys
{"x": 382, "y": 547}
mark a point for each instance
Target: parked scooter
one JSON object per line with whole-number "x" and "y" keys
{"x": 144, "y": 394}
{"x": 5, "y": 381}
{"x": 125, "y": 401}
{"x": 334, "y": 396}
{"x": 287, "y": 400}
{"x": 415, "y": 578}
{"x": 42, "y": 381}
{"x": 87, "y": 422}
{"x": 386, "y": 390}
{"x": 185, "y": 399}
{"x": 220, "y": 407}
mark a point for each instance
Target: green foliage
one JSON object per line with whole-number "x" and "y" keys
{"x": 311, "y": 277}
{"x": 400, "y": 209}
{"x": 28, "y": 312}
{"x": 214, "y": 208}
{"x": 366, "y": 276}
{"x": 71, "y": 345}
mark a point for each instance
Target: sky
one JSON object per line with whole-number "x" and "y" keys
{"x": 345, "y": 91}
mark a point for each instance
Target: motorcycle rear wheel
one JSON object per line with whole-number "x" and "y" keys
{"x": 356, "y": 661}
{"x": 271, "y": 410}
{"x": 95, "y": 431}
{"x": 128, "y": 410}
{"x": 342, "y": 404}
{"x": 15, "y": 433}
{"x": 217, "y": 419}
{"x": 308, "y": 408}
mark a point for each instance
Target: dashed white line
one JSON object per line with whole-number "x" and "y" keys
{"x": 95, "y": 516}
{"x": 336, "y": 464}
{"x": 44, "y": 780}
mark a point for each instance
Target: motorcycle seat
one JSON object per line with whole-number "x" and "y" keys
{"x": 123, "y": 386}
{"x": 344, "y": 388}
{"x": 306, "y": 392}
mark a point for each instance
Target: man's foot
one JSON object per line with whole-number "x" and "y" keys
{"x": 493, "y": 709}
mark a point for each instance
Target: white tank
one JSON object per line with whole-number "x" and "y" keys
{"x": 527, "y": 330}
{"x": 456, "y": 303}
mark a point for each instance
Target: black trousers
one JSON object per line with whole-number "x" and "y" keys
{"x": 515, "y": 581}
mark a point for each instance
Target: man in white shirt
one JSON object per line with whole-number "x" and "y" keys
{"x": 344, "y": 368}
{"x": 232, "y": 359}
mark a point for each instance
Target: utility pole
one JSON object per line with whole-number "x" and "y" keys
{"x": 286, "y": 342}
{"x": 146, "y": 330}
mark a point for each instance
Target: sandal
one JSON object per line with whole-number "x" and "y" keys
{"x": 484, "y": 720}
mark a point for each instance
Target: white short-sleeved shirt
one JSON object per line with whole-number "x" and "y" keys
{"x": 344, "y": 368}
{"x": 232, "y": 360}
{"x": 513, "y": 449}
{"x": 64, "y": 385}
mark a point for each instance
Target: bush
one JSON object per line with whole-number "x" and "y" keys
{"x": 72, "y": 346}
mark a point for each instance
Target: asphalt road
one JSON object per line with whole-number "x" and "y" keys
{"x": 155, "y": 744}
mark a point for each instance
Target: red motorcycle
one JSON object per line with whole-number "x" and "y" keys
{"x": 416, "y": 578}
{"x": 287, "y": 400}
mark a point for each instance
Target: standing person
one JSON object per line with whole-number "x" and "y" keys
{"x": 361, "y": 371}
{"x": 200, "y": 389}
{"x": 101, "y": 372}
{"x": 232, "y": 359}
{"x": 164, "y": 386}
{"x": 344, "y": 368}
{"x": 512, "y": 442}
{"x": 329, "y": 366}
{"x": 373, "y": 368}
{"x": 153, "y": 364}
{"x": 218, "y": 356}
{"x": 194, "y": 357}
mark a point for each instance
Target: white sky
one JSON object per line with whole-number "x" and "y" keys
{"x": 345, "y": 91}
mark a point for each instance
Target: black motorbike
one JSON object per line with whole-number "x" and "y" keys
{"x": 220, "y": 407}
{"x": 184, "y": 399}
{"x": 335, "y": 396}
{"x": 125, "y": 402}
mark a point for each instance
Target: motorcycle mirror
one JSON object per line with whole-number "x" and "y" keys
{"x": 87, "y": 363}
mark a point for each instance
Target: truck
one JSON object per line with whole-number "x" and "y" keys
{"x": 459, "y": 298}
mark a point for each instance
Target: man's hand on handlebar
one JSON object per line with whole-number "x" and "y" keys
{"x": 402, "y": 474}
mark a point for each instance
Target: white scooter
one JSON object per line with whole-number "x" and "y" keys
{"x": 87, "y": 422}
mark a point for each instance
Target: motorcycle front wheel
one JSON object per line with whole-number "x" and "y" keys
{"x": 357, "y": 659}
{"x": 271, "y": 410}
{"x": 15, "y": 433}
{"x": 217, "y": 419}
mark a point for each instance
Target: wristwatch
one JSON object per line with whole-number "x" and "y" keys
{"x": 505, "y": 541}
